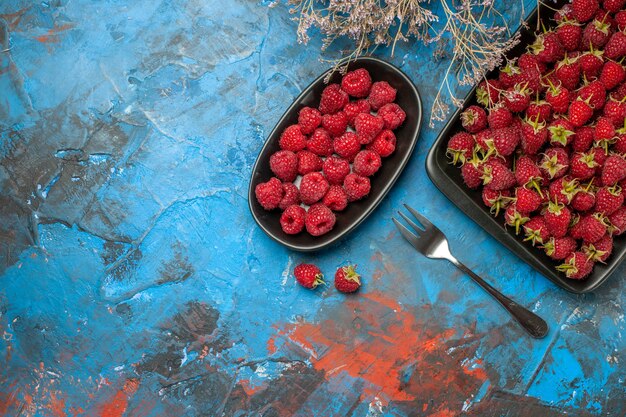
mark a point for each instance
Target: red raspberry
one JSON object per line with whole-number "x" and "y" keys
{"x": 609, "y": 200}
{"x": 291, "y": 196}
{"x": 313, "y": 187}
{"x": 366, "y": 163}
{"x": 292, "y": 139}
{"x": 557, "y": 218}
{"x": 381, "y": 94}
{"x": 533, "y": 136}
{"x": 336, "y": 198}
{"x": 517, "y": 98}
{"x": 616, "y": 46}
{"x": 596, "y": 33}
{"x": 612, "y": 75}
{"x": 474, "y": 119}
{"x": 599, "y": 251}
{"x": 561, "y": 132}
{"x": 584, "y": 10}
{"x": 309, "y": 119}
{"x": 563, "y": 190}
{"x": 499, "y": 117}
{"x": 527, "y": 200}
{"x": 576, "y": 266}
{"x": 620, "y": 19}
{"x": 308, "y": 162}
{"x": 583, "y": 139}
{"x": 320, "y": 143}
{"x": 591, "y": 63}
{"x": 367, "y": 126}
{"x": 393, "y": 115}
{"x": 568, "y": 72}
{"x": 613, "y": 170}
{"x": 619, "y": 93}
{"x": 495, "y": 200}
{"x": 308, "y": 275}
{"x": 547, "y": 47}
{"x": 333, "y": 99}
{"x": 269, "y": 194}
{"x": 384, "y": 144}
{"x": 569, "y": 34}
{"x": 536, "y": 231}
{"x": 554, "y": 162}
{"x": 472, "y": 172}
{"x": 356, "y": 186}
{"x": 347, "y": 145}
{"x": 558, "y": 97}
{"x": 528, "y": 61}
{"x": 595, "y": 92}
{"x": 583, "y": 166}
{"x": 560, "y": 248}
{"x": 335, "y": 169}
{"x": 496, "y": 175}
{"x": 617, "y": 221}
{"x": 514, "y": 217}
{"x": 579, "y": 112}
{"x": 613, "y": 6}
{"x": 319, "y": 220}
{"x": 353, "y": 108}
{"x": 292, "y": 219}
{"x": 284, "y": 164}
{"x": 583, "y": 201}
{"x": 592, "y": 227}
{"x": 615, "y": 111}
{"x": 335, "y": 124}
{"x": 509, "y": 75}
{"x": 488, "y": 92}
{"x": 357, "y": 83}
{"x": 460, "y": 147}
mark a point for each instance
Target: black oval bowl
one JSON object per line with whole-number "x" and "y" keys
{"x": 407, "y": 97}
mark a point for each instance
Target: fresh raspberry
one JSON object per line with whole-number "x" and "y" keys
{"x": 582, "y": 165}
{"x": 313, "y": 187}
{"x": 515, "y": 218}
{"x": 609, "y": 199}
{"x": 563, "y": 190}
{"x": 484, "y": 139}
{"x": 584, "y": 10}
{"x": 384, "y": 144}
{"x": 557, "y": 219}
{"x": 308, "y": 162}
{"x": 472, "y": 173}
{"x": 319, "y": 220}
{"x": 577, "y": 265}
{"x": 381, "y": 94}
{"x": 591, "y": 63}
{"x": 527, "y": 173}
{"x": 620, "y": 144}
{"x": 291, "y": 196}
{"x": 393, "y": 115}
{"x": 460, "y": 147}
{"x": 613, "y": 6}
{"x": 615, "y": 111}
{"x": 292, "y": 139}
{"x": 509, "y": 75}
{"x": 367, "y": 126}
{"x": 560, "y": 248}
{"x": 496, "y": 200}
{"x": 532, "y": 79}
{"x": 528, "y": 61}
{"x": 527, "y": 200}
{"x": 320, "y": 143}
{"x": 333, "y": 99}
{"x": 579, "y": 112}
{"x": 347, "y": 280}
{"x": 568, "y": 72}
{"x": 616, "y": 46}
{"x": 533, "y": 136}
{"x": 593, "y": 227}
{"x": 347, "y": 145}
{"x": 292, "y": 219}
{"x": 366, "y": 163}
{"x": 496, "y": 176}
{"x": 584, "y": 200}
{"x": 309, "y": 119}
{"x": 356, "y": 186}
{"x": 517, "y": 98}
{"x": 354, "y": 108}
{"x": 270, "y": 193}
{"x": 539, "y": 111}
{"x": 488, "y": 92}
{"x": 583, "y": 139}
{"x": 595, "y": 92}
{"x": 599, "y": 251}
{"x": 596, "y": 34}
{"x": 563, "y": 14}
{"x": 612, "y": 74}
{"x": 619, "y": 93}
{"x": 620, "y": 19}
{"x": 613, "y": 170}
{"x": 505, "y": 140}
{"x": 558, "y": 97}
{"x": 284, "y": 164}
{"x": 336, "y": 198}
{"x": 617, "y": 222}
{"x": 600, "y": 157}
{"x": 335, "y": 169}
{"x": 308, "y": 275}
{"x": 474, "y": 119}
{"x": 561, "y": 132}
{"x": 536, "y": 231}
{"x": 604, "y": 132}
{"x": 570, "y": 34}
{"x": 547, "y": 47}
{"x": 357, "y": 83}
{"x": 554, "y": 162}
{"x": 335, "y": 124}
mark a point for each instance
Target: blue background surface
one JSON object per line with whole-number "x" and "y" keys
{"x": 133, "y": 280}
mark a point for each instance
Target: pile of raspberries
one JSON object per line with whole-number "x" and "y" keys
{"x": 547, "y": 142}
{"x": 326, "y": 160}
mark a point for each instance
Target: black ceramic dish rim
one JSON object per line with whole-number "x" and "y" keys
{"x": 385, "y": 189}
{"x": 451, "y": 189}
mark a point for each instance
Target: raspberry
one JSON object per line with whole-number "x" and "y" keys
{"x": 591, "y": 63}
{"x": 488, "y": 92}
{"x": 367, "y": 127}
{"x": 599, "y": 251}
{"x": 617, "y": 222}
{"x": 269, "y": 194}
{"x": 336, "y": 198}
{"x": 292, "y": 219}
{"x": 474, "y": 119}
{"x": 291, "y": 196}
{"x": 620, "y": 19}
{"x": 313, "y": 187}
{"x": 309, "y": 119}
{"x": 357, "y": 83}
{"x": 579, "y": 112}
{"x": 308, "y": 162}
{"x": 576, "y": 266}
{"x": 583, "y": 201}
{"x": 335, "y": 124}
{"x": 616, "y": 46}
{"x": 333, "y": 99}
{"x": 569, "y": 34}
{"x": 560, "y": 248}
{"x": 356, "y": 186}
{"x": 612, "y": 75}
{"x": 584, "y": 10}
{"x": 583, "y": 139}
{"x": 499, "y": 117}
{"x": 384, "y": 144}
{"x": 335, "y": 169}
{"x": 595, "y": 92}
{"x": 381, "y": 94}
{"x": 319, "y": 220}
{"x": 596, "y": 33}
{"x": 393, "y": 115}
{"x": 292, "y": 139}
{"x": 472, "y": 174}
{"x": 353, "y": 108}
{"x": 284, "y": 164}
{"x": 347, "y": 145}
{"x": 460, "y": 147}
{"x": 320, "y": 143}
{"x": 616, "y": 112}
{"x": 366, "y": 163}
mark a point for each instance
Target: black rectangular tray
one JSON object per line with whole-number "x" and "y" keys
{"x": 449, "y": 181}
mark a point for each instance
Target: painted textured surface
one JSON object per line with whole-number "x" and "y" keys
{"x": 134, "y": 282}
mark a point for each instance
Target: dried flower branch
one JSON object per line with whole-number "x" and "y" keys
{"x": 477, "y": 31}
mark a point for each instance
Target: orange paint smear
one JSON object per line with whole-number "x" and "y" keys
{"x": 118, "y": 404}
{"x": 53, "y": 34}
{"x": 249, "y": 389}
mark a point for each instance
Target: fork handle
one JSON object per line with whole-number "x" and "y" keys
{"x": 532, "y": 323}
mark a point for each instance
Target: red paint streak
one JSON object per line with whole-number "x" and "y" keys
{"x": 271, "y": 346}
{"x": 116, "y": 407}
{"x": 53, "y": 36}
{"x": 249, "y": 389}
{"x": 402, "y": 358}
{"x": 6, "y": 401}
{"x": 57, "y": 406}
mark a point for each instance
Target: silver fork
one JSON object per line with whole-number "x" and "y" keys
{"x": 432, "y": 243}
